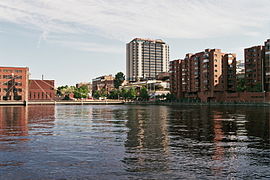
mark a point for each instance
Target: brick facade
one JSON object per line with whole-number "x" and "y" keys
{"x": 41, "y": 90}
{"x": 14, "y": 83}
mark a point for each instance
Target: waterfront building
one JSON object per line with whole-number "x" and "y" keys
{"x": 105, "y": 83}
{"x": 176, "y": 77}
{"x": 146, "y": 58}
{"x": 267, "y": 65}
{"x": 154, "y": 87}
{"x": 14, "y": 83}
{"x": 203, "y": 73}
{"x": 40, "y": 90}
{"x": 254, "y": 71}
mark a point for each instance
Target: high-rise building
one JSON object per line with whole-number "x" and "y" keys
{"x": 267, "y": 65}
{"x": 254, "y": 71}
{"x": 206, "y": 72}
{"x": 210, "y": 70}
{"x": 146, "y": 58}
{"x": 176, "y": 77}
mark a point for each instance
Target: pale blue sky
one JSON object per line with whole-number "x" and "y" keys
{"x": 77, "y": 40}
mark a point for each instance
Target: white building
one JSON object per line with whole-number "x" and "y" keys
{"x": 146, "y": 58}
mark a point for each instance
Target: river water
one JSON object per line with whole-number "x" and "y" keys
{"x": 134, "y": 142}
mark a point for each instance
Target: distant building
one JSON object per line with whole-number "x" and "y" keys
{"x": 89, "y": 86}
{"x": 146, "y": 58}
{"x": 105, "y": 83}
{"x": 240, "y": 67}
{"x": 40, "y": 90}
{"x": 14, "y": 83}
{"x": 154, "y": 87}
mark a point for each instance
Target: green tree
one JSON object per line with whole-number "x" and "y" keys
{"x": 65, "y": 91}
{"x": 144, "y": 94}
{"x": 131, "y": 94}
{"x": 124, "y": 93}
{"x": 96, "y": 94}
{"x": 114, "y": 94}
{"x": 119, "y": 79}
{"x": 81, "y": 92}
{"x": 170, "y": 97}
{"x": 241, "y": 85}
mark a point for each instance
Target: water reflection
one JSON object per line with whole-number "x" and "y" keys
{"x": 17, "y": 121}
{"x": 13, "y": 122}
{"x": 134, "y": 142}
{"x": 147, "y": 144}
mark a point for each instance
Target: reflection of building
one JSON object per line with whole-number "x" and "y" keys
{"x": 148, "y": 133}
{"x": 14, "y": 83}
{"x": 146, "y": 58}
{"x": 15, "y": 120}
{"x": 41, "y": 90}
{"x": 103, "y": 83}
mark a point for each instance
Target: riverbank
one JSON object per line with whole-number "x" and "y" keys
{"x": 88, "y": 102}
{"x": 199, "y": 103}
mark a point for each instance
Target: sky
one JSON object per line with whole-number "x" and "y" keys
{"x": 74, "y": 41}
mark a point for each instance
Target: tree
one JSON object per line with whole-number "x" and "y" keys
{"x": 124, "y": 93}
{"x": 119, "y": 79}
{"x": 96, "y": 94}
{"x": 81, "y": 92}
{"x": 65, "y": 91}
{"x": 131, "y": 94}
{"x": 114, "y": 94}
{"x": 144, "y": 94}
{"x": 241, "y": 85}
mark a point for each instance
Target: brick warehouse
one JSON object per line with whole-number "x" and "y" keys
{"x": 16, "y": 86}
{"x": 41, "y": 90}
{"x": 14, "y": 83}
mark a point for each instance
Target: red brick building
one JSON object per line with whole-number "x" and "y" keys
{"x": 105, "y": 83}
{"x": 205, "y": 72}
{"x": 254, "y": 73}
{"x": 176, "y": 77}
{"x": 41, "y": 90}
{"x": 14, "y": 83}
{"x": 267, "y": 65}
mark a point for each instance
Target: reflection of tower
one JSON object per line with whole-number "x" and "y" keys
{"x": 147, "y": 131}
{"x": 218, "y": 148}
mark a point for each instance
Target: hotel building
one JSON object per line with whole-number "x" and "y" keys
{"x": 146, "y": 58}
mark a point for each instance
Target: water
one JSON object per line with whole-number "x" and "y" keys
{"x": 134, "y": 142}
